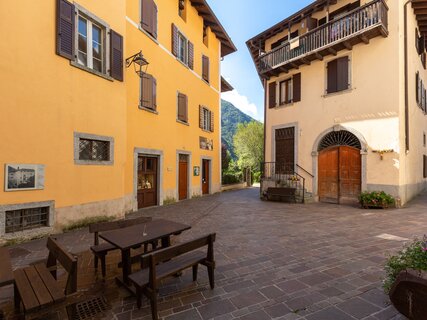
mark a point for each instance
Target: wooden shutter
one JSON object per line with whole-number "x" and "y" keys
{"x": 272, "y": 95}
{"x": 174, "y": 40}
{"x": 205, "y": 68}
{"x": 182, "y": 107}
{"x": 147, "y": 91}
{"x": 332, "y": 76}
{"x": 146, "y": 15}
{"x": 421, "y": 44}
{"x": 154, "y": 92}
{"x": 190, "y": 55}
{"x": 154, "y": 12}
{"x": 116, "y": 55}
{"x": 296, "y": 87}
{"x": 342, "y": 74}
{"x": 417, "y": 41}
{"x": 424, "y": 166}
{"x": 212, "y": 121}
{"x": 201, "y": 115}
{"x": 65, "y": 29}
{"x": 417, "y": 88}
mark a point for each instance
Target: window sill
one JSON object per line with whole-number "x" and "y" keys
{"x": 285, "y": 105}
{"x": 207, "y": 131}
{"x": 338, "y": 93}
{"x": 148, "y": 110}
{"x": 99, "y": 74}
{"x": 183, "y": 122}
{"x": 148, "y": 35}
{"x": 93, "y": 163}
{"x": 183, "y": 63}
{"x": 205, "y": 81}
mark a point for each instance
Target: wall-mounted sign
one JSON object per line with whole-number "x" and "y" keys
{"x": 19, "y": 177}
{"x": 196, "y": 171}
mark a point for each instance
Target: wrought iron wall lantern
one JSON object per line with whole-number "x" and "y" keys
{"x": 138, "y": 62}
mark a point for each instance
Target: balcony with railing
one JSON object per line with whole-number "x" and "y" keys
{"x": 358, "y": 25}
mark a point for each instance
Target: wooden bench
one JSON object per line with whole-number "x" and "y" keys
{"x": 100, "y": 250}
{"x": 170, "y": 261}
{"x": 281, "y": 192}
{"x": 6, "y": 273}
{"x": 36, "y": 285}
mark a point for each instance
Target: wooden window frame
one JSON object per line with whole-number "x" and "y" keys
{"x": 288, "y": 99}
{"x": 105, "y": 41}
{"x": 207, "y": 119}
{"x": 182, "y": 41}
{"x": 153, "y": 107}
{"x": 206, "y": 77}
{"x": 182, "y": 9}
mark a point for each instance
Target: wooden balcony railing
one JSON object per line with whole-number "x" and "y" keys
{"x": 358, "y": 25}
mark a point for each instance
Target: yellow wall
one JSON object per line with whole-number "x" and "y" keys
{"x": 161, "y": 131}
{"x": 45, "y": 100}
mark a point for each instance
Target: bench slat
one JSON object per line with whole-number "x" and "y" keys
{"x": 55, "y": 290}
{"x": 29, "y": 299}
{"x": 6, "y": 273}
{"x": 166, "y": 269}
{"x": 39, "y": 288}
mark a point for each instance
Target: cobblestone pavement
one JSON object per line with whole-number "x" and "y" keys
{"x": 274, "y": 261}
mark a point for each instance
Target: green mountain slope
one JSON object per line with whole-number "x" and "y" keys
{"x": 230, "y": 117}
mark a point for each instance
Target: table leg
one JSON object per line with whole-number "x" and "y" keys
{"x": 166, "y": 242}
{"x": 126, "y": 265}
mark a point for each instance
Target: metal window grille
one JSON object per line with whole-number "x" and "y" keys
{"x": 339, "y": 138}
{"x": 25, "y": 219}
{"x": 94, "y": 150}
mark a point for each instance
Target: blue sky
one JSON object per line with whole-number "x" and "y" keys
{"x": 244, "y": 19}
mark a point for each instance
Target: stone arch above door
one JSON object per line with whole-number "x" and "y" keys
{"x": 363, "y": 152}
{"x": 337, "y": 128}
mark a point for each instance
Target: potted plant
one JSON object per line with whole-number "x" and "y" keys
{"x": 376, "y": 199}
{"x": 406, "y": 279}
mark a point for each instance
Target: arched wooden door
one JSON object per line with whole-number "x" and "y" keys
{"x": 339, "y": 174}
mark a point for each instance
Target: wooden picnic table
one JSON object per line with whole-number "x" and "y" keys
{"x": 6, "y": 273}
{"x": 132, "y": 237}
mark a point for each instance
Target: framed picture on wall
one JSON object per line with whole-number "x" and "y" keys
{"x": 20, "y": 177}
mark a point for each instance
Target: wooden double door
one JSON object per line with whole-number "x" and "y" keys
{"x": 339, "y": 174}
{"x": 147, "y": 186}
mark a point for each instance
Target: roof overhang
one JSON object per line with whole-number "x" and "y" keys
{"x": 210, "y": 20}
{"x": 420, "y": 10}
{"x": 225, "y": 85}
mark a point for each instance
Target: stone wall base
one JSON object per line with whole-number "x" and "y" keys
{"x": 112, "y": 208}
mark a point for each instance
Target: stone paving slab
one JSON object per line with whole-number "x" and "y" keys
{"x": 274, "y": 261}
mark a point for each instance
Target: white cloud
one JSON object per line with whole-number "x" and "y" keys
{"x": 241, "y": 102}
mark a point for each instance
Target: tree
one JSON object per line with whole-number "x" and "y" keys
{"x": 248, "y": 145}
{"x": 225, "y": 157}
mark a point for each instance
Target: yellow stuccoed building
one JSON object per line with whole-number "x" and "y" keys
{"x": 345, "y": 100}
{"x": 107, "y": 106}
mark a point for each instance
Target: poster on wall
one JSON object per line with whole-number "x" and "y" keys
{"x": 20, "y": 177}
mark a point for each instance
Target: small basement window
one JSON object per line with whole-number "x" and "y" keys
{"x": 26, "y": 219}
{"x": 93, "y": 149}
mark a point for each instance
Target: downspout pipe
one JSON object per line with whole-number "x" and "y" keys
{"x": 262, "y": 165}
{"x": 406, "y": 75}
